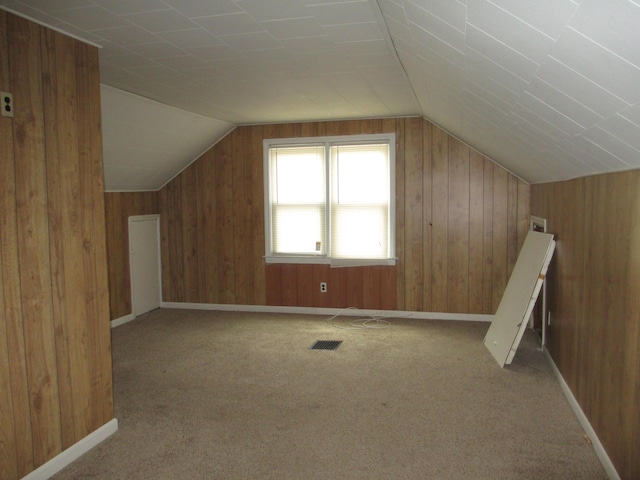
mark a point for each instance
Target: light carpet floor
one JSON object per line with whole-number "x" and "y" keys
{"x": 227, "y": 395}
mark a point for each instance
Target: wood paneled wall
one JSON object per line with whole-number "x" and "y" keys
{"x": 460, "y": 221}
{"x": 55, "y": 350}
{"x": 119, "y": 206}
{"x": 593, "y": 291}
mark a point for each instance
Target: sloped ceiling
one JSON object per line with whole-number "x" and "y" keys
{"x": 550, "y": 89}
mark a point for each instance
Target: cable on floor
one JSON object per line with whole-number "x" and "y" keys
{"x": 372, "y": 323}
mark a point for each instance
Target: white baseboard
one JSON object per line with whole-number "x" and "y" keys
{"x": 353, "y": 312}
{"x": 74, "y": 452}
{"x": 584, "y": 422}
{"x": 122, "y": 320}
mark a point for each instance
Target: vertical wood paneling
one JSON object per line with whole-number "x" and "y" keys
{"x": 401, "y": 266}
{"x": 500, "y": 266}
{"x": 289, "y": 285}
{"x": 225, "y": 220}
{"x": 54, "y": 340}
{"x": 60, "y": 90}
{"x": 371, "y": 288}
{"x": 190, "y": 259}
{"x": 9, "y": 442}
{"x": 440, "y": 220}
{"x": 476, "y": 233}
{"x": 201, "y": 229}
{"x": 458, "y": 228}
{"x": 273, "y": 292}
{"x": 488, "y": 305}
{"x": 304, "y": 286}
{"x": 444, "y": 225}
{"x": 21, "y": 433}
{"x": 427, "y": 215}
{"x": 241, "y": 211}
{"x": 89, "y": 81}
{"x": 413, "y": 215}
{"x": 595, "y": 312}
{"x": 209, "y": 228}
{"x": 255, "y": 218}
{"x": 512, "y": 222}
{"x": 355, "y": 287}
{"x": 33, "y": 239}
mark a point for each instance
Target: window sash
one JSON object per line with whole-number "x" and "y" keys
{"x": 324, "y": 231}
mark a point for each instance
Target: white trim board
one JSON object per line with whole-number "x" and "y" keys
{"x": 122, "y": 320}
{"x": 584, "y": 421}
{"x": 74, "y": 452}
{"x": 352, "y": 312}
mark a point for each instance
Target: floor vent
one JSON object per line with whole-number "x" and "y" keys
{"x": 326, "y": 345}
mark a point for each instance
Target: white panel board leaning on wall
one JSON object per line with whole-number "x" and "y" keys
{"x": 510, "y": 321}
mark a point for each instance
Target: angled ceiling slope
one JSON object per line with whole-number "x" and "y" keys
{"x": 147, "y": 143}
{"x": 548, "y": 88}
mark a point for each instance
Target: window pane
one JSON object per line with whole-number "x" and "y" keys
{"x": 297, "y": 229}
{"x": 359, "y": 231}
{"x": 361, "y": 173}
{"x": 298, "y": 174}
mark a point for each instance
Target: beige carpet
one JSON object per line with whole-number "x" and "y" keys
{"x": 216, "y": 395}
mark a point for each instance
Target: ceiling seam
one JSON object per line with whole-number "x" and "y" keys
{"x": 389, "y": 40}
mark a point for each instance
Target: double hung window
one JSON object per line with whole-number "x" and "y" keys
{"x": 330, "y": 200}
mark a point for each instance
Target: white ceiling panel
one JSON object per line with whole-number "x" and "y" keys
{"x": 449, "y": 11}
{"x": 547, "y": 88}
{"x": 548, "y": 16}
{"x": 580, "y": 88}
{"x": 612, "y": 24}
{"x": 124, "y": 7}
{"x": 598, "y": 64}
{"x": 427, "y": 24}
{"x": 500, "y": 53}
{"x": 509, "y": 30}
{"x": 563, "y": 103}
{"x": 550, "y": 114}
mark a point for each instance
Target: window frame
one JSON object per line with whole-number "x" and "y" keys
{"x": 327, "y": 142}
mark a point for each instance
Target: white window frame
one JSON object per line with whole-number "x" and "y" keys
{"x": 328, "y": 141}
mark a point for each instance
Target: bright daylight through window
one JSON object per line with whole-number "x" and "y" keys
{"x": 330, "y": 200}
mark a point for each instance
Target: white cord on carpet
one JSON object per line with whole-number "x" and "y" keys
{"x": 359, "y": 324}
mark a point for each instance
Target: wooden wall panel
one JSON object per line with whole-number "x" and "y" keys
{"x": 458, "y": 222}
{"x": 33, "y": 238}
{"x": 19, "y": 460}
{"x": 413, "y": 215}
{"x": 448, "y": 200}
{"x": 54, "y": 337}
{"x": 439, "y": 221}
{"x": 119, "y": 206}
{"x": 595, "y": 312}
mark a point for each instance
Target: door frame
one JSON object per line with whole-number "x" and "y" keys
{"x": 144, "y": 218}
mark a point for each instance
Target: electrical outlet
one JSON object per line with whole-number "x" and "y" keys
{"x": 323, "y": 287}
{"x": 7, "y": 104}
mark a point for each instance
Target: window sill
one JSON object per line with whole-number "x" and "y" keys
{"x": 333, "y": 262}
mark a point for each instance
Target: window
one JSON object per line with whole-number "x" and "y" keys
{"x": 330, "y": 200}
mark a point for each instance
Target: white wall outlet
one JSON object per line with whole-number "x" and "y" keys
{"x": 323, "y": 287}
{"x": 7, "y": 104}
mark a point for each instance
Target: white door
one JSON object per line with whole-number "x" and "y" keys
{"x": 144, "y": 247}
{"x": 510, "y": 321}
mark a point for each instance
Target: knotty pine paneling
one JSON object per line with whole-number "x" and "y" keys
{"x": 119, "y": 206}
{"x": 55, "y": 357}
{"x": 459, "y": 225}
{"x": 593, "y": 285}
